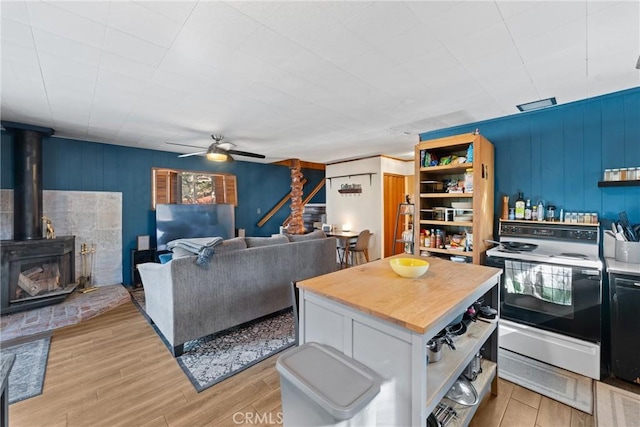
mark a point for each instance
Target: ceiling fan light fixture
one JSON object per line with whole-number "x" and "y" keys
{"x": 217, "y": 156}
{"x": 536, "y": 105}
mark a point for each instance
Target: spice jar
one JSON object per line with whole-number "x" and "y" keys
{"x": 607, "y": 174}
{"x": 623, "y": 174}
{"x": 615, "y": 174}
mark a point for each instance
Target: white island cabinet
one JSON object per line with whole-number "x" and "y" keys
{"x": 384, "y": 321}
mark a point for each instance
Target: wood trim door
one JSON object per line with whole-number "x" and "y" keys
{"x": 393, "y": 188}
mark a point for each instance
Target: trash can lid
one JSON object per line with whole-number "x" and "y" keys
{"x": 338, "y": 383}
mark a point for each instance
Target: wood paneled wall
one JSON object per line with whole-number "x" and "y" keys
{"x": 558, "y": 154}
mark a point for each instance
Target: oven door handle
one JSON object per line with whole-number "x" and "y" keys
{"x": 590, "y": 272}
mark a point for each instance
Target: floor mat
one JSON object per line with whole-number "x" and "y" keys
{"x": 27, "y": 375}
{"x": 616, "y": 407}
{"x": 558, "y": 384}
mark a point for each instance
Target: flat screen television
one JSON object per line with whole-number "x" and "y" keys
{"x": 188, "y": 221}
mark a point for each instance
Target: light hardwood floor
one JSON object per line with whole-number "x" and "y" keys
{"x": 113, "y": 370}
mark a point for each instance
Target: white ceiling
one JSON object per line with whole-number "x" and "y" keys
{"x": 320, "y": 81}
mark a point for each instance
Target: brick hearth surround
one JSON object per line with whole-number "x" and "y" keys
{"x": 75, "y": 309}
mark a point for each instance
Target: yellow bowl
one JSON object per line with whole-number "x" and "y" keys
{"x": 409, "y": 267}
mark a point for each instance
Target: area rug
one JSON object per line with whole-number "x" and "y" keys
{"x": 558, "y": 384}
{"x": 616, "y": 407}
{"x": 214, "y": 358}
{"x": 27, "y": 375}
{"x": 137, "y": 296}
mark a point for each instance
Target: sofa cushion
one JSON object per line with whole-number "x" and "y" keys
{"x": 317, "y": 234}
{"x": 255, "y": 242}
{"x": 229, "y": 245}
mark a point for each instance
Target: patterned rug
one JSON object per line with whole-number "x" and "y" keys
{"x": 27, "y": 375}
{"x": 616, "y": 407}
{"x": 214, "y": 358}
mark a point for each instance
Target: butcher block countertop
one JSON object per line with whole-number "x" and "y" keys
{"x": 415, "y": 304}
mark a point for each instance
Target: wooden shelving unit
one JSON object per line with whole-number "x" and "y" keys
{"x": 481, "y": 197}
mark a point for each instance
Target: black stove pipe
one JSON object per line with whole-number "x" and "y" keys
{"x": 27, "y": 180}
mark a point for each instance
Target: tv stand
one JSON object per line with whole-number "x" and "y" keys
{"x": 139, "y": 257}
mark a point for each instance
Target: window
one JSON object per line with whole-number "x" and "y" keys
{"x": 172, "y": 186}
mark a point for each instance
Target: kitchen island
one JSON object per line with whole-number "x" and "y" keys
{"x": 384, "y": 321}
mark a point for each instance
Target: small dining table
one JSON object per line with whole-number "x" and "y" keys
{"x": 345, "y": 238}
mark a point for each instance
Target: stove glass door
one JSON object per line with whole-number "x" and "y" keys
{"x": 558, "y": 298}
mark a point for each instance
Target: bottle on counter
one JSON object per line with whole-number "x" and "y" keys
{"x": 519, "y": 207}
{"x": 540, "y": 211}
{"x": 551, "y": 213}
{"x": 534, "y": 213}
{"x": 527, "y": 210}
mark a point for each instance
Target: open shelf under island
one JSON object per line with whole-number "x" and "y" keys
{"x": 384, "y": 321}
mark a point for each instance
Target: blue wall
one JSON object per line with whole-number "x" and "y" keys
{"x": 559, "y": 154}
{"x": 74, "y": 165}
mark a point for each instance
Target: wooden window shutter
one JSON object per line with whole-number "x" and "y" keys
{"x": 225, "y": 189}
{"x": 166, "y": 187}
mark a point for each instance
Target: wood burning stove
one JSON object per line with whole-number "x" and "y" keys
{"x": 35, "y": 271}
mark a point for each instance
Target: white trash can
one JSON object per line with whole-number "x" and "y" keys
{"x": 322, "y": 387}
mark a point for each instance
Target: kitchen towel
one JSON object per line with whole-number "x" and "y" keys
{"x": 546, "y": 282}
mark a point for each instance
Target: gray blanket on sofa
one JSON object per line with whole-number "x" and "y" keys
{"x": 201, "y": 246}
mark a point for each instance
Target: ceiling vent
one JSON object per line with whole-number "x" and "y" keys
{"x": 536, "y": 105}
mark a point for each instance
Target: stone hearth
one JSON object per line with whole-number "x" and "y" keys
{"x": 75, "y": 309}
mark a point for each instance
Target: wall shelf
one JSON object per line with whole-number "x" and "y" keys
{"x": 629, "y": 183}
{"x": 350, "y": 175}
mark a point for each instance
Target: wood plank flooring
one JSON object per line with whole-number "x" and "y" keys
{"x": 114, "y": 370}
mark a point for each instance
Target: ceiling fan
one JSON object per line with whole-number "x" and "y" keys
{"x": 219, "y": 151}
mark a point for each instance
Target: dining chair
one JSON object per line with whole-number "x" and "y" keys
{"x": 361, "y": 246}
{"x": 340, "y": 247}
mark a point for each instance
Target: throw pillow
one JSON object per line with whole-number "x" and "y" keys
{"x": 255, "y": 242}
{"x": 235, "y": 244}
{"x": 317, "y": 234}
{"x": 165, "y": 258}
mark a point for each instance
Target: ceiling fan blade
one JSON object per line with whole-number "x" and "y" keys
{"x": 185, "y": 145}
{"x": 246, "y": 154}
{"x": 199, "y": 153}
{"x": 230, "y": 159}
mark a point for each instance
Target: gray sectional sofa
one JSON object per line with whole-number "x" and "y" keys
{"x": 245, "y": 279}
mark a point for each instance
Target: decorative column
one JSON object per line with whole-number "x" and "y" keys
{"x": 296, "y": 225}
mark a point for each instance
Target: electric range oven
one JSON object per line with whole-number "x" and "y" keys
{"x": 551, "y": 293}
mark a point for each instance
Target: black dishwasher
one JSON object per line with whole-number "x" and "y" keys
{"x": 625, "y": 327}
